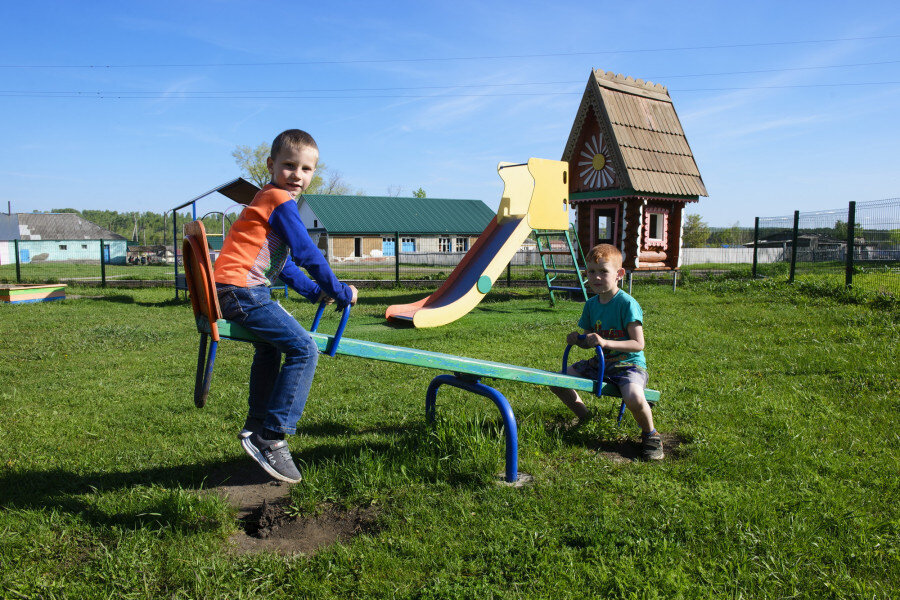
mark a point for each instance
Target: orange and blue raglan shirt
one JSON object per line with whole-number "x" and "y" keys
{"x": 263, "y": 240}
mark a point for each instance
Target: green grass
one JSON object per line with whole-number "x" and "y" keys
{"x": 785, "y": 485}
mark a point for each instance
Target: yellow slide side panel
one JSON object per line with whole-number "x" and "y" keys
{"x": 517, "y": 187}
{"x": 441, "y": 315}
{"x": 550, "y": 200}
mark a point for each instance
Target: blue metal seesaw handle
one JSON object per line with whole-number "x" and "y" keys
{"x": 340, "y": 330}
{"x": 600, "y": 360}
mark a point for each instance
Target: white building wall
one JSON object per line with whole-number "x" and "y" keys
{"x": 699, "y": 256}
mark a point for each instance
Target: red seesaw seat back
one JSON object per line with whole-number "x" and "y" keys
{"x": 199, "y": 276}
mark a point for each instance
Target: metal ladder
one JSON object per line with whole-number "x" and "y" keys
{"x": 555, "y": 267}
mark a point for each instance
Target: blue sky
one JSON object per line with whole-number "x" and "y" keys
{"x": 138, "y": 105}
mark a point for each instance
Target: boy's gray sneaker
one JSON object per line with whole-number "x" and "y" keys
{"x": 651, "y": 447}
{"x": 273, "y": 456}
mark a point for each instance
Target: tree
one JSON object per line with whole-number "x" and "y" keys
{"x": 333, "y": 185}
{"x": 419, "y": 193}
{"x": 695, "y": 232}
{"x": 895, "y": 236}
{"x": 733, "y": 236}
{"x": 252, "y": 162}
{"x": 840, "y": 230}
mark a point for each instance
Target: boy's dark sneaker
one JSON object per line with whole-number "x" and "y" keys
{"x": 651, "y": 446}
{"x": 251, "y": 425}
{"x": 273, "y": 456}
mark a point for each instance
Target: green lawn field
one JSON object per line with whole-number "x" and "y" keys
{"x": 781, "y": 480}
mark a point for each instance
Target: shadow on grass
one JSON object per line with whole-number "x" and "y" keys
{"x": 115, "y": 298}
{"x": 609, "y": 441}
{"x": 409, "y": 448}
{"x": 335, "y": 428}
{"x": 126, "y": 299}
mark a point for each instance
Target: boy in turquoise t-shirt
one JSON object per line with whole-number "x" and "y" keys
{"x": 613, "y": 320}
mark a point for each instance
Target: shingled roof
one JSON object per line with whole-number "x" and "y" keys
{"x": 61, "y": 226}
{"x": 636, "y": 122}
{"x": 380, "y": 214}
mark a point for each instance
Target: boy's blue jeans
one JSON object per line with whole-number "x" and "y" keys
{"x": 278, "y": 392}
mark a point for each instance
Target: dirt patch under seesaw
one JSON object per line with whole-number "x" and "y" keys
{"x": 267, "y": 526}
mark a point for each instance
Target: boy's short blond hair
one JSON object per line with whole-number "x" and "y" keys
{"x": 292, "y": 138}
{"x": 607, "y": 253}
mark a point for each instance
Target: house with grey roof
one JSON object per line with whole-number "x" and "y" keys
{"x": 632, "y": 171}
{"x": 360, "y": 227}
{"x": 57, "y": 237}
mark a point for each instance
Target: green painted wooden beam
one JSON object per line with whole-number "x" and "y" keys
{"x": 437, "y": 360}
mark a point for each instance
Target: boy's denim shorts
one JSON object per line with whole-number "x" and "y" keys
{"x": 617, "y": 375}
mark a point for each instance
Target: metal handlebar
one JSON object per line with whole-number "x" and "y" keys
{"x": 332, "y": 349}
{"x": 601, "y": 362}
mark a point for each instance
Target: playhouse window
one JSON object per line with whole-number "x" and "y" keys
{"x": 444, "y": 244}
{"x": 604, "y": 227}
{"x": 462, "y": 244}
{"x": 656, "y": 229}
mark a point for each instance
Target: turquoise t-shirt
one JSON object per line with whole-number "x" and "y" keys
{"x": 610, "y": 320}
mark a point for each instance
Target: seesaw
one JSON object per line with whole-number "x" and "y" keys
{"x": 465, "y": 373}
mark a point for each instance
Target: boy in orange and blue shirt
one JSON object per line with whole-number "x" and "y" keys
{"x": 268, "y": 241}
{"x": 613, "y": 320}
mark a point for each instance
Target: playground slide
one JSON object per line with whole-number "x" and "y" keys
{"x": 471, "y": 279}
{"x": 535, "y": 196}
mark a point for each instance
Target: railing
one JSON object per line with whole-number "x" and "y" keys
{"x": 858, "y": 247}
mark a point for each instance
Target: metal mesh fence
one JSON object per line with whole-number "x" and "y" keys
{"x": 434, "y": 266}
{"x": 857, "y": 246}
{"x": 811, "y": 246}
{"x": 80, "y": 261}
{"x": 876, "y": 257}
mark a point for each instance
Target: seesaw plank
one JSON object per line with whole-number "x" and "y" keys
{"x": 441, "y": 361}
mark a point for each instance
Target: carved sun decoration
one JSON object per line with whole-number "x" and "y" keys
{"x": 597, "y": 169}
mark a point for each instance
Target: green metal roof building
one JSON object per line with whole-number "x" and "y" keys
{"x": 350, "y": 227}
{"x": 388, "y": 214}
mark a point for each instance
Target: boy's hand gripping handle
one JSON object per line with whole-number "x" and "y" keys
{"x": 340, "y": 330}
{"x": 601, "y": 362}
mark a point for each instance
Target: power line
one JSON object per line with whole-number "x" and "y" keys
{"x": 225, "y": 93}
{"x": 301, "y": 96}
{"x": 454, "y": 58}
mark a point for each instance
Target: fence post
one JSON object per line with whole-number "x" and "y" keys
{"x": 102, "y": 267}
{"x": 397, "y": 257}
{"x": 755, "y": 246}
{"x": 18, "y": 268}
{"x": 851, "y": 241}
{"x": 509, "y": 274}
{"x": 794, "y": 245}
{"x": 175, "y": 250}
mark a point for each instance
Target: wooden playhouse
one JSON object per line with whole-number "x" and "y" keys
{"x": 631, "y": 171}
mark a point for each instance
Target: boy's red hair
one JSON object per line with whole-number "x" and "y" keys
{"x": 606, "y": 253}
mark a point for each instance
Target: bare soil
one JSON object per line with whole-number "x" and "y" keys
{"x": 629, "y": 450}
{"x": 266, "y": 526}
